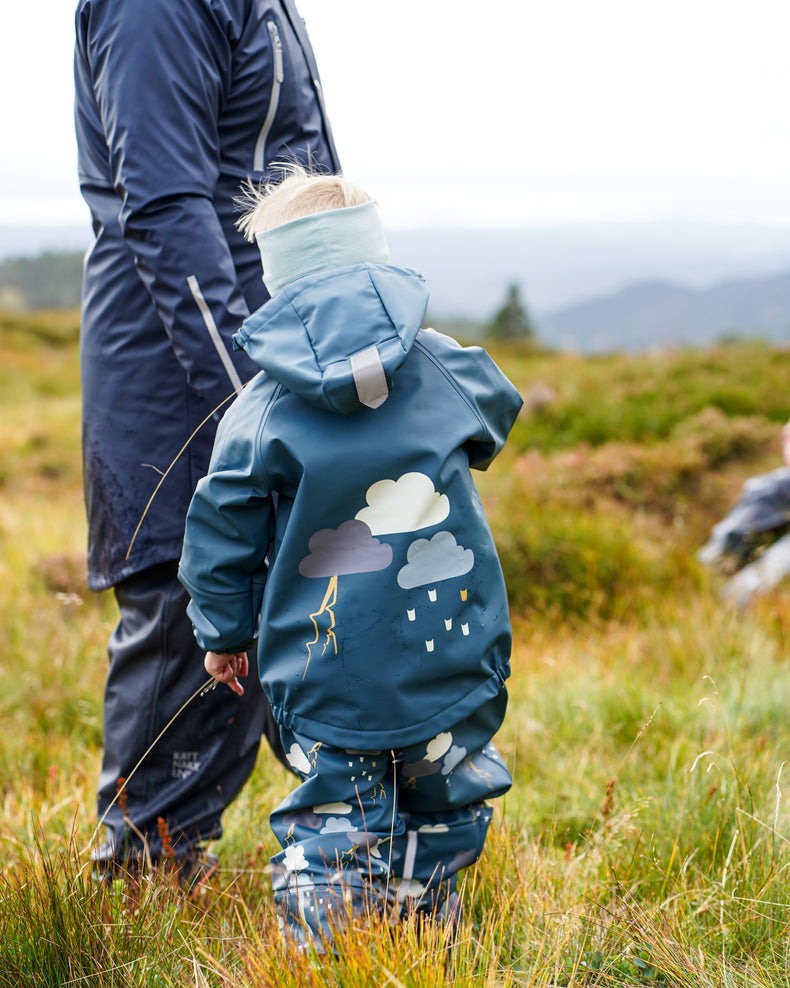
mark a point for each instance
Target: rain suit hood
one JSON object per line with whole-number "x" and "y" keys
{"x": 336, "y": 338}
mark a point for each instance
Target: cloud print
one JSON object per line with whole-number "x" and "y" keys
{"x": 348, "y": 549}
{"x": 337, "y": 825}
{"x": 416, "y": 770}
{"x": 298, "y": 760}
{"x": 294, "y": 859}
{"x": 325, "y": 808}
{"x": 303, "y": 818}
{"x": 462, "y": 860}
{"x": 404, "y": 505}
{"x": 437, "y": 746}
{"x": 454, "y": 757}
{"x": 433, "y": 560}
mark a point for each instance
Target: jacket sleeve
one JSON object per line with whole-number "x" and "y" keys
{"x": 497, "y": 403}
{"x": 493, "y": 400}
{"x": 158, "y": 75}
{"x": 229, "y": 527}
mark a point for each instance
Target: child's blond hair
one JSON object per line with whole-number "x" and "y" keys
{"x": 300, "y": 193}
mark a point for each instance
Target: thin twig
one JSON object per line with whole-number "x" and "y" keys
{"x": 175, "y": 460}
{"x": 209, "y": 684}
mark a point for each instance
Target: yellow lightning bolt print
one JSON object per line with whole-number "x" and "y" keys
{"x": 329, "y": 601}
{"x": 348, "y": 857}
{"x": 485, "y": 776}
{"x": 312, "y": 754}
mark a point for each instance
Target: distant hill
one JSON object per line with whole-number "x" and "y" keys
{"x": 587, "y": 286}
{"x": 655, "y": 313}
{"x": 468, "y": 270}
{"x": 50, "y": 280}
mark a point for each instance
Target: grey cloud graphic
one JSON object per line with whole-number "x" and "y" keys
{"x": 303, "y": 818}
{"x": 433, "y": 560}
{"x": 462, "y": 860}
{"x": 453, "y": 757}
{"x": 366, "y": 839}
{"x": 416, "y": 770}
{"x": 351, "y": 548}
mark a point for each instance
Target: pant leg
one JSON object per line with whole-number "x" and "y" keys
{"x": 204, "y": 757}
{"x": 443, "y": 788}
{"x": 365, "y": 829}
{"x": 335, "y": 830}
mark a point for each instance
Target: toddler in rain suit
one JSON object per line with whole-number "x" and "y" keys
{"x": 340, "y": 532}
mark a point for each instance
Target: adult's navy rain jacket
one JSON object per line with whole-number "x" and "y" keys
{"x": 383, "y": 614}
{"x": 177, "y": 103}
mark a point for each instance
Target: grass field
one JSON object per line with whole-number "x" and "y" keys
{"x": 646, "y": 838}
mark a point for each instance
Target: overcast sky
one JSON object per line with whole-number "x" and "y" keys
{"x": 506, "y": 113}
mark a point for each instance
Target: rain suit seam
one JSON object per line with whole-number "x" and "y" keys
{"x": 308, "y": 337}
{"x": 260, "y": 464}
{"x": 292, "y": 720}
{"x": 456, "y": 387}
{"x": 395, "y": 334}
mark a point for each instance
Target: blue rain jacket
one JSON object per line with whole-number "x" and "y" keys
{"x": 177, "y": 103}
{"x": 383, "y": 616}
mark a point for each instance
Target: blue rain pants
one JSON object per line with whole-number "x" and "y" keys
{"x": 369, "y": 830}
{"x": 204, "y": 757}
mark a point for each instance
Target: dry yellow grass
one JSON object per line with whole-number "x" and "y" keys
{"x": 645, "y": 841}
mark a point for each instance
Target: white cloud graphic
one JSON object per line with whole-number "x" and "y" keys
{"x": 433, "y": 560}
{"x": 337, "y": 825}
{"x": 294, "y": 859}
{"x": 437, "y": 746}
{"x": 434, "y": 828}
{"x": 325, "y": 808}
{"x": 407, "y": 887}
{"x": 297, "y": 759}
{"x": 404, "y": 505}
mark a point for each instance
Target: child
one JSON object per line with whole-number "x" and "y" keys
{"x": 381, "y": 616}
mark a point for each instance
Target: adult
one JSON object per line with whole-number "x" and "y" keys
{"x": 178, "y": 102}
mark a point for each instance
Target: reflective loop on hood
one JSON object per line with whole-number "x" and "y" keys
{"x": 369, "y": 377}
{"x": 336, "y": 338}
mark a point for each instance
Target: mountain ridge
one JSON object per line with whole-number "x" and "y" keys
{"x": 660, "y": 312}
{"x": 585, "y": 285}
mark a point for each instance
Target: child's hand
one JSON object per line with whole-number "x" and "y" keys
{"x": 226, "y": 667}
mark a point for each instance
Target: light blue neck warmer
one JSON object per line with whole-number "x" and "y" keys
{"x": 335, "y": 238}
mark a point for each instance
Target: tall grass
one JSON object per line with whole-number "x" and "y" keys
{"x": 645, "y": 840}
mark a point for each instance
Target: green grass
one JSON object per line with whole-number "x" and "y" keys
{"x": 642, "y": 399}
{"x": 646, "y": 838}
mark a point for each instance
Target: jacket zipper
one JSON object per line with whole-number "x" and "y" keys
{"x": 259, "y": 160}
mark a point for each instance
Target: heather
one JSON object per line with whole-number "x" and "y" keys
{"x": 645, "y": 840}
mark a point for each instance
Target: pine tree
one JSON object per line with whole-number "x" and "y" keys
{"x": 512, "y": 321}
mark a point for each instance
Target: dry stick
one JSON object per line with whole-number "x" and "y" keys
{"x": 210, "y": 684}
{"x": 392, "y": 824}
{"x": 175, "y": 460}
